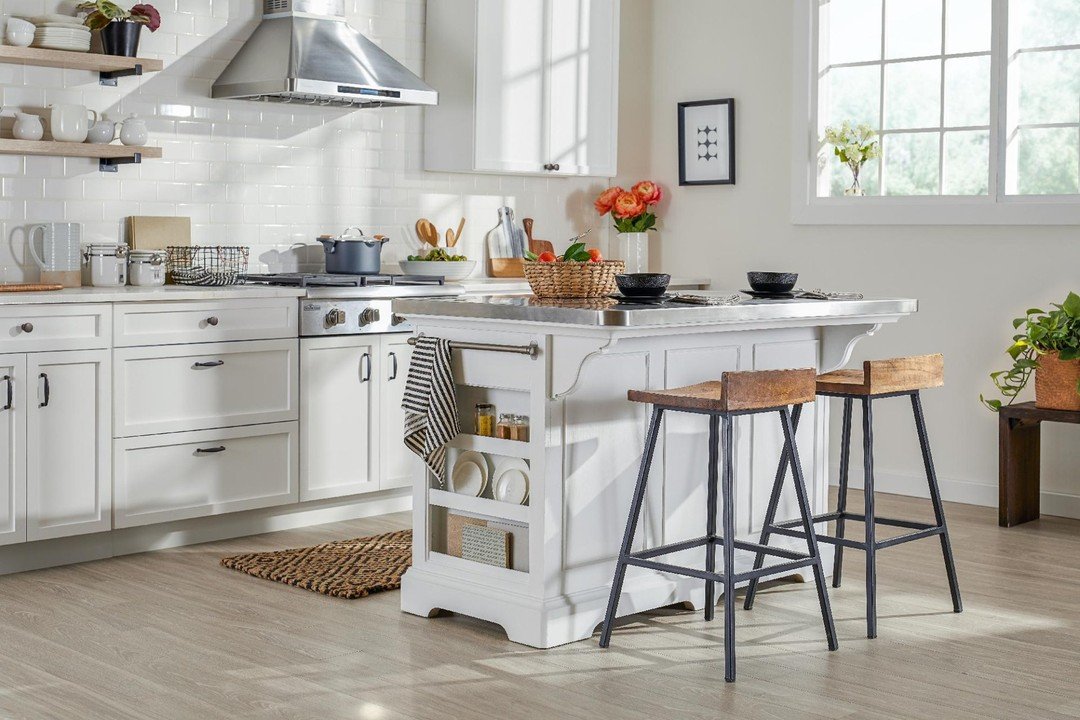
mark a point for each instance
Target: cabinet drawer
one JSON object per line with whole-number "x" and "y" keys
{"x": 211, "y": 385}
{"x": 210, "y": 321}
{"x": 37, "y": 328}
{"x": 197, "y": 474}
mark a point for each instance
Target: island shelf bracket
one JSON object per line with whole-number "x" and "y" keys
{"x": 111, "y": 165}
{"x": 565, "y": 376}
{"x": 839, "y": 341}
{"x": 109, "y": 77}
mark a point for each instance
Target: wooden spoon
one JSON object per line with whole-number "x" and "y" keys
{"x": 427, "y": 232}
{"x": 451, "y": 241}
{"x": 457, "y": 235}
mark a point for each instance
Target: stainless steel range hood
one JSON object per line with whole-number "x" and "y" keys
{"x": 305, "y": 52}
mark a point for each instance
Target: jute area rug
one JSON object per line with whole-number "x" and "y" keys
{"x": 345, "y": 568}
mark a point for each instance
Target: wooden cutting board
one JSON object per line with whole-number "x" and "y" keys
{"x": 148, "y": 232}
{"x": 30, "y": 287}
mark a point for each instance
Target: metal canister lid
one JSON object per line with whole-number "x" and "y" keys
{"x": 107, "y": 250}
{"x": 151, "y": 257}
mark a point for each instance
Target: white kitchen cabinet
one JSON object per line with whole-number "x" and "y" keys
{"x": 529, "y": 86}
{"x": 395, "y": 460}
{"x": 338, "y": 435}
{"x": 12, "y": 449}
{"x": 69, "y": 459}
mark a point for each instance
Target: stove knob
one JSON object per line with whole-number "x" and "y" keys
{"x": 335, "y": 318}
{"x": 396, "y": 320}
{"x": 370, "y": 316}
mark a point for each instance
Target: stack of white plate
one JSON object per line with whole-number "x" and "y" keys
{"x": 61, "y": 32}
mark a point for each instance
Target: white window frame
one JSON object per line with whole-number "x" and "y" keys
{"x": 997, "y": 208}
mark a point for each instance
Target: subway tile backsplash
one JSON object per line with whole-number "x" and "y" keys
{"x": 271, "y": 176}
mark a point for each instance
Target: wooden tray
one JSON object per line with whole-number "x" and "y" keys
{"x": 30, "y": 287}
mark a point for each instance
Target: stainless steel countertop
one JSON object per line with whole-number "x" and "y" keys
{"x": 608, "y": 313}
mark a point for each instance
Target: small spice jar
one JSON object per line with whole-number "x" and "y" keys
{"x": 519, "y": 430}
{"x": 108, "y": 265}
{"x": 485, "y": 419}
{"x": 505, "y": 429}
{"x": 146, "y": 268}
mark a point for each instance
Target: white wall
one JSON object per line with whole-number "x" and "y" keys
{"x": 254, "y": 174}
{"x": 971, "y": 281}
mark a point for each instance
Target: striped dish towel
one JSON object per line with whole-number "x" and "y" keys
{"x": 430, "y": 404}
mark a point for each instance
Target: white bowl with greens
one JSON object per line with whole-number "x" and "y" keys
{"x": 439, "y": 262}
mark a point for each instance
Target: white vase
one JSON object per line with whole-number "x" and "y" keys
{"x": 633, "y": 249}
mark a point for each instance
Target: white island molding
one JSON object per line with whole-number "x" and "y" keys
{"x": 587, "y": 439}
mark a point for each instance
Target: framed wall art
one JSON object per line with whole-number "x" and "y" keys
{"x": 707, "y": 142}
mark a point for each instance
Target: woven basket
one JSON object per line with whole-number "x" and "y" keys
{"x": 573, "y": 279}
{"x": 1055, "y": 383}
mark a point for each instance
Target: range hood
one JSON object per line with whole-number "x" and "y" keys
{"x": 305, "y": 52}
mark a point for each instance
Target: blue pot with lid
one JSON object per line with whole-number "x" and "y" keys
{"x": 353, "y": 253}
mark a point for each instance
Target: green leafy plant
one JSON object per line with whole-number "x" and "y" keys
{"x": 854, "y": 146}
{"x": 102, "y": 12}
{"x": 1039, "y": 332}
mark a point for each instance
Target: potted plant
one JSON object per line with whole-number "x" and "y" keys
{"x": 634, "y": 218}
{"x": 855, "y": 146}
{"x": 119, "y": 28}
{"x": 1048, "y": 344}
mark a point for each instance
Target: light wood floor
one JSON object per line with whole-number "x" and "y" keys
{"x": 173, "y": 635}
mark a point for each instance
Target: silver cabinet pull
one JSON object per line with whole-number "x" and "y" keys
{"x": 210, "y": 451}
{"x": 45, "y": 378}
{"x": 365, "y": 367}
{"x": 10, "y": 392}
{"x": 393, "y": 366}
{"x": 27, "y": 327}
{"x": 210, "y": 364}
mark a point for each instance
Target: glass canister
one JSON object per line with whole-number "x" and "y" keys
{"x": 519, "y": 430}
{"x": 505, "y": 429}
{"x": 108, "y": 264}
{"x": 485, "y": 419}
{"x": 146, "y": 268}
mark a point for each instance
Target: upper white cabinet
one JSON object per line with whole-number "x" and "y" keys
{"x": 529, "y": 86}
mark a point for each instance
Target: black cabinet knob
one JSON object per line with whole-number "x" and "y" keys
{"x": 212, "y": 321}
{"x": 27, "y": 327}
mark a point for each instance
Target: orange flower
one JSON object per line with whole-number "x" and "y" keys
{"x": 628, "y": 205}
{"x": 606, "y": 201}
{"x": 649, "y": 192}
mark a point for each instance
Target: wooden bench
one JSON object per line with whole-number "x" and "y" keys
{"x": 1018, "y": 459}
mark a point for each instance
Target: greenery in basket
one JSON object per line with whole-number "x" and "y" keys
{"x": 1040, "y": 332}
{"x": 102, "y": 12}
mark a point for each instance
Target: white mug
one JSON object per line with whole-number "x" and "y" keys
{"x": 70, "y": 123}
{"x": 60, "y": 246}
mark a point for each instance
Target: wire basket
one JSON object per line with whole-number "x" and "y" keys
{"x": 207, "y": 266}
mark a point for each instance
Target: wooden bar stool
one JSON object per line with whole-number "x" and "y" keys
{"x": 737, "y": 393}
{"x": 879, "y": 379}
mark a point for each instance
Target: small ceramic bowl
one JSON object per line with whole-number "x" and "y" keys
{"x": 643, "y": 284}
{"x": 19, "y": 38}
{"x": 772, "y": 282}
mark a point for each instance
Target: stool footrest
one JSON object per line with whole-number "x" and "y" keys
{"x": 719, "y": 541}
{"x": 922, "y": 530}
{"x": 644, "y": 559}
{"x": 856, "y": 517}
{"x": 718, "y": 577}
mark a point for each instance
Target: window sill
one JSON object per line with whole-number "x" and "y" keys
{"x": 936, "y": 211}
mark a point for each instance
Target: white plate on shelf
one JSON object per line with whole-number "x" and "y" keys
{"x": 471, "y": 474}
{"x": 511, "y": 481}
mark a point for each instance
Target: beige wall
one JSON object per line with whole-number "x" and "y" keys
{"x": 970, "y": 281}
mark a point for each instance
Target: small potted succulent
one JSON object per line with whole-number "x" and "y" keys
{"x": 119, "y": 28}
{"x": 1047, "y": 344}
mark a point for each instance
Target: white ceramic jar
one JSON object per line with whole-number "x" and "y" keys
{"x": 134, "y": 132}
{"x": 108, "y": 265}
{"x": 146, "y": 268}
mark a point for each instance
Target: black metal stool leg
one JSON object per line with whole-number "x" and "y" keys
{"x": 710, "y": 523}
{"x": 729, "y": 551}
{"x": 871, "y": 539}
{"x": 631, "y": 526}
{"x": 935, "y": 498}
{"x": 841, "y": 500}
{"x": 808, "y": 527}
{"x": 770, "y": 512}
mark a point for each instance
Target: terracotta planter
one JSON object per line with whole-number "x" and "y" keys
{"x": 1055, "y": 383}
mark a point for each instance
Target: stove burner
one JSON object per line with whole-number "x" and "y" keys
{"x": 305, "y": 280}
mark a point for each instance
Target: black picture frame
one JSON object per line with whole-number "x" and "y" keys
{"x": 726, "y": 176}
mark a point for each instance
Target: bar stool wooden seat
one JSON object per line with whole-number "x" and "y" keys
{"x": 878, "y": 379}
{"x": 736, "y": 393}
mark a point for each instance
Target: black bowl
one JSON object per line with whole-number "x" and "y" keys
{"x": 772, "y": 282}
{"x": 643, "y": 284}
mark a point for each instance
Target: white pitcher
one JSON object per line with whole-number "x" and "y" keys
{"x": 28, "y": 127}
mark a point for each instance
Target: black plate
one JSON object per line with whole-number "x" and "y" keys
{"x": 627, "y": 300}
{"x": 769, "y": 296}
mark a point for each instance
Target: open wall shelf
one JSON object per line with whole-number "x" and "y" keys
{"x": 108, "y": 67}
{"x": 109, "y": 156}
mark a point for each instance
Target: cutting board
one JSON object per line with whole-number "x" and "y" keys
{"x": 148, "y": 232}
{"x": 30, "y": 287}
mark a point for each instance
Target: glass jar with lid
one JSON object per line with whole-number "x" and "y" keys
{"x": 108, "y": 264}
{"x": 146, "y": 268}
{"x": 519, "y": 429}
{"x": 485, "y": 420}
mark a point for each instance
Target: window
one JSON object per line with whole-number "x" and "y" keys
{"x": 977, "y": 103}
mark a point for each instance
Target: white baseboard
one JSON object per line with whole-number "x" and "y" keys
{"x": 967, "y": 493}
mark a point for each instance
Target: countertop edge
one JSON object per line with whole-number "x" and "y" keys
{"x": 169, "y": 293}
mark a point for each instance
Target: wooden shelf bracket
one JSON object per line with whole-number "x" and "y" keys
{"x": 111, "y": 165}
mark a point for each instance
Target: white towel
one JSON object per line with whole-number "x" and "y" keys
{"x": 430, "y": 403}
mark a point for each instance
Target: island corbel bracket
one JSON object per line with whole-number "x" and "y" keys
{"x": 111, "y": 165}
{"x": 838, "y": 342}
{"x": 109, "y": 77}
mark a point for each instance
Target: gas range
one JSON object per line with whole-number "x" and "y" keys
{"x": 337, "y": 305}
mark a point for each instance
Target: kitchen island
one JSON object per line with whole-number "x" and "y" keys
{"x": 567, "y": 365}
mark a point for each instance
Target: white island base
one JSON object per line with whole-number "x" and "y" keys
{"x": 586, "y": 444}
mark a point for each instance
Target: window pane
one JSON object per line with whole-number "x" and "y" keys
{"x": 912, "y": 28}
{"x": 967, "y": 26}
{"x": 967, "y": 92}
{"x": 851, "y": 94}
{"x": 1043, "y": 23}
{"x": 911, "y": 164}
{"x": 1048, "y": 161}
{"x": 913, "y": 95}
{"x": 967, "y": 163}
{"x": 835, "y": 177}
{"x": 1049, "y": 86}
{"x": 851, "y": 31}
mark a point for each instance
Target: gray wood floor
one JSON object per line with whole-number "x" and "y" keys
{"x": 173, "y": 635}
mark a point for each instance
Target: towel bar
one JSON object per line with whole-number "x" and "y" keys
{"x": 532, "y": 349}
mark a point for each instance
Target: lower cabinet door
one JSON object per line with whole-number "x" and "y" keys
{"x": 210, "y": 472}
{"x": 338, "y": 381}
{"x": 68, "y": 465}
{"x": 12, "y": 449}
{"x": 395, "y": 460}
